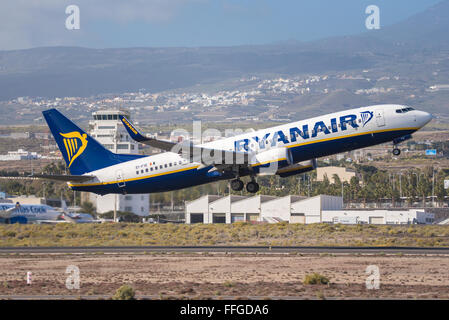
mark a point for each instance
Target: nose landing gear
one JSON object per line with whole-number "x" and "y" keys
{"x": 396, "y": 151}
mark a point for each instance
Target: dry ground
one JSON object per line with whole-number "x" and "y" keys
{"x": 220, "y": 275}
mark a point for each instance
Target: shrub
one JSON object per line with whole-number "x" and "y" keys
{"x": 315, "y": 278}
{"x": 8, "y": 233}
{"x": 125, "y": 292}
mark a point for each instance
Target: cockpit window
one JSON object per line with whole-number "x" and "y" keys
{"x": 404, "y": 110}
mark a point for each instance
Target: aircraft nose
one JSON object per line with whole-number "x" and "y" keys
{"x": 423, "y": 118}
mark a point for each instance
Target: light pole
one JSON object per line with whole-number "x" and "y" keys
{"x": 342, "y": 193}
{"x": 308, "y": 194}
{"x": 115, "y": 207}
{"x": 433, "y": 188}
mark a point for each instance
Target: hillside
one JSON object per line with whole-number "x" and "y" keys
{"x": 411, "y": 55}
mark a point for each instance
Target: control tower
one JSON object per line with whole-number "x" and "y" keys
{"x": 107, "y": 129}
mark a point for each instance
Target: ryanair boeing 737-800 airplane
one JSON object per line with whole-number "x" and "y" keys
{"x": 284, "y": 150}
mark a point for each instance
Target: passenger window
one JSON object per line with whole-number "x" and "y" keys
{"x": 169, "y": 164}
{"x": 160, "y": 167}
{"x": 141, "y": 171}
{"x": 137, "y": 172}
{"x": 146, "y": 170}
{"x": 165, "y": 165}
{"x": 151, "y": 169}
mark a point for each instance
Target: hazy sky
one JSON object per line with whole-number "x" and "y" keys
{"x": 155, "y": 23}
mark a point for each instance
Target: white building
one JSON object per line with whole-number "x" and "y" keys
{"x": 278, "y": 209}
{"x": 310, "y": 210}
{"x": 220, "y": 210}
{"x": 294, "y": 209}
{"x": 19, "y": 155}
{"x": 259, "y": 208}
{"x": 249, "y": 209}
{"x": 107, "y": 129}
{"x": 343, "y": 173}
{"x": 398, "y": 216}
{"x": 197, "y": 211}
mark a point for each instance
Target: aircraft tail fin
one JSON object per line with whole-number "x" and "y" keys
{"x": 81, "y": 152}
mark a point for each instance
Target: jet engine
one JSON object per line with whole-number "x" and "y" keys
{"x": 297, "y": 168}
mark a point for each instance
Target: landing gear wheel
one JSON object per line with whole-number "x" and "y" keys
{"x": 396, "y": 151}
{"x": 252, "y": 187}
{"x": 237, "y": 185}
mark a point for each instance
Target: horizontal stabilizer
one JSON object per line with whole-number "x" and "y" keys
{"x": 62, "y": 177}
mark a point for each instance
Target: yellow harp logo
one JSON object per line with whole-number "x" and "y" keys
{"x": 75, "y": 144}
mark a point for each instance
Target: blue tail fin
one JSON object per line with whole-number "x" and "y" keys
{"x": 81, "y": 152}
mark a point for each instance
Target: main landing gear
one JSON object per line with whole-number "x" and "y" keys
{"x": 251, "y": 187}
{"x": 237, "y": 185}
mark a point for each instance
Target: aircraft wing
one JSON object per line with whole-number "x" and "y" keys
{"x": 50, "y": 221}
{"x": 187, "y": 149}
{"x": 68, "y": 218}
{"x": 62, "y": 177}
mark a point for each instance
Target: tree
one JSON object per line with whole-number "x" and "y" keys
{"x": 88, "y": 207}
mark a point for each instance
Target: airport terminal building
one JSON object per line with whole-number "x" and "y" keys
{"x": 294, "y": 209}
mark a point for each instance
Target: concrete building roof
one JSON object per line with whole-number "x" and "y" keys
{"x": 232, "y": 199}
{"x": 209, "y": 198}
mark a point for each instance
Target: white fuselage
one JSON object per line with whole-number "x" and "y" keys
{"x": 27, "y": 213}
{"x": 304, "y": 140}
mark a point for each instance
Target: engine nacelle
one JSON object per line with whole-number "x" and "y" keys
{"x": 269, "y": 162}
{"x": 297, "y": 168}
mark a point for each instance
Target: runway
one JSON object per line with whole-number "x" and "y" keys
{"x": 229, "y": 249}
{"x": 211, "y": 272}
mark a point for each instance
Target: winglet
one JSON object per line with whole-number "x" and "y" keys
{"x": 132, "y": 131}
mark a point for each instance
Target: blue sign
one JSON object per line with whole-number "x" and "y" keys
{"x": 431, "y": 152}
